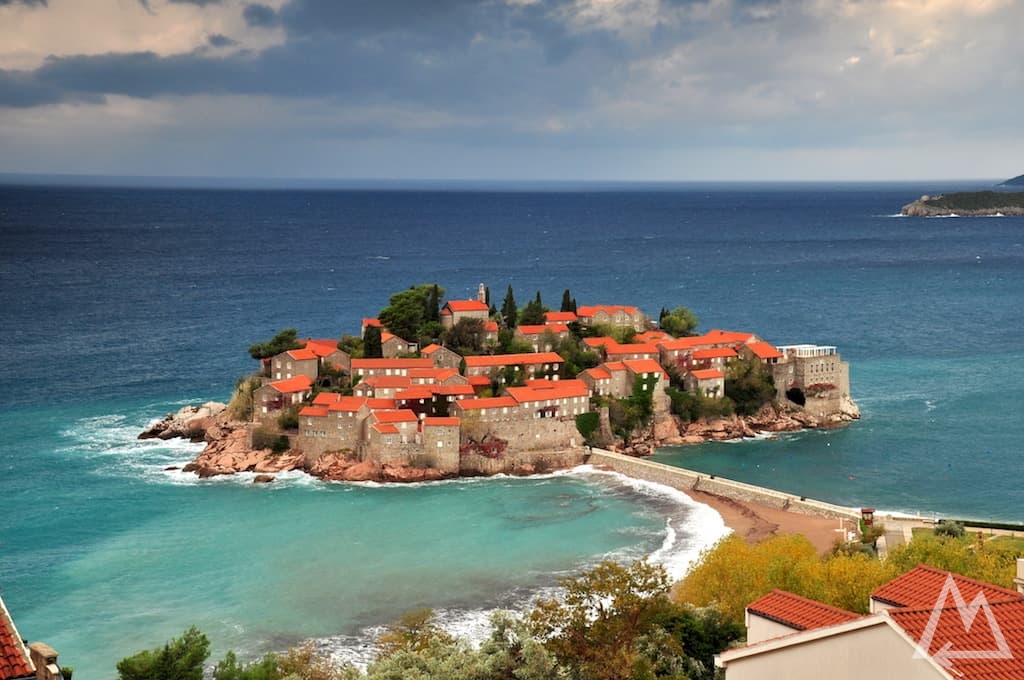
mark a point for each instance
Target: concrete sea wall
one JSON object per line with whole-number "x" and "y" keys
{"x": 689, "y": 480}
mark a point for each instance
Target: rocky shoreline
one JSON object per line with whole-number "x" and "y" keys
{"x": 228, "y": 450}
{"x": 931, "y": 206}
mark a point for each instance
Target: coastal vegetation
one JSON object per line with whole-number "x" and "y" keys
{"x": 968, "y": 203}
{"x": 282, "y": 342}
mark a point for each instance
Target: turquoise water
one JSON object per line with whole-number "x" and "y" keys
{"x": 119, "y": 305}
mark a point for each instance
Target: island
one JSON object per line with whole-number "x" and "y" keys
{"x": 1017, "y": 181}
{"x": 430, "y": 391}
{"x": 968, "y": 204}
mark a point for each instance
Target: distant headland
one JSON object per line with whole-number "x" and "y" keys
{"x": 968, "y": 204}
{"x": 432, "y": 390}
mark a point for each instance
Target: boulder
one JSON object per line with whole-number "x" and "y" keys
{"x": 263, "y": 479}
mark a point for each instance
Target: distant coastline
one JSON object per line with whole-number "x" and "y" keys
{"x": 968, "y": 204}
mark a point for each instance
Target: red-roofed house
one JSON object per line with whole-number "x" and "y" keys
{"x": 281, "y": 394}
{"x": 949, "y": 631}
{"x": 544, "y": 337}
{"x": 398, "y": 366}
{"x": 638, "y": 350}
{"x": 37, "y": 661}
{"x": 295, "y": 362}
{"x": 708, "y": 381}
{"x": 615, "y": 315}
{"x": 760, "y": 351}
{"x": 716, "y": 357}
{"x": 529, "y": 364}
{"x": 368, "y": 323}
{"x": 554, "y": 399}
{"x": 327, "y": 350}
{"x": 392, "y": 346}
{"x": 560, "y": 317}
{"x": 598, "y": 379}
{"x": 454, "y": 311}
{"x": 442, "y": 357}
{"x": 381, "y": 386}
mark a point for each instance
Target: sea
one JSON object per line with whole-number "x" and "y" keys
{"x": 122, "y": 301}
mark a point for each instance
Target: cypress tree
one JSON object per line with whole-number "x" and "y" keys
{"x": 508, "y": 308}
{"x": 567, "y": 303}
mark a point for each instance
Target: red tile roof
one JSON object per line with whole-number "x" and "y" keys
{"x": 490, "y": 326}
{"x": 721, "y": 337}
{"x": 918, "y": 588}
{"x": 599, "y": 373}
{"x": 644, "y": 366}
{"x": 397, "y": 416}
{"x": 417, "y": 392}
{"x": 385, "y": 428}
{"x": 372, "y": 322}
{"x": 707, "y": 374}
{"x": 762, "y": 350}
{"x": 479, "y": 380}
{"x": 430, "y": 349}
{"x": 453, "y": 390}
{"x": 527, "y": 359}
{"x": 315, "y": 411}
{"x": 652, "y": 336}
{"x": 594, "y": 343}
{"x": 304, "y": 354}
{"x": 441, "y": 422}
{"x": 299, "y": 383}
{"x": 591, "y": 310}
{"x": 999, "y": 659}
{"x": 326, "y": 399}
{"x": 15, "y": 661}
{"x": 466, "y": 306}
{"x": 557, "y": 389}
{"x": 614, "y": 366}
{"x": 386, "y": 381}
{"x": 560, "y": 317}
{"x": 678, "y": 344}
{"x": 715, "y": 353}
{"x": 540, "y": 329}
{"x": 322, "y": 347}
{"x": 631, "y": 348}
{"x": 798, "y": 612}
{"x": 493, "y": 402}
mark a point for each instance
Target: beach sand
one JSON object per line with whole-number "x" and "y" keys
{"x": 756, "y": 522}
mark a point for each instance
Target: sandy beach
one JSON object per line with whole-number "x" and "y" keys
{"x": 756, "y": 521}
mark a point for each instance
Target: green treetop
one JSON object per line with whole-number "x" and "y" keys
{"x": 282, "y": 342}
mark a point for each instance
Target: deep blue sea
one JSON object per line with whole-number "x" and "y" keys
{"x": 118, "y": 305}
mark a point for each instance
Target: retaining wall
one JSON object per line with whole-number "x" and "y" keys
{"x": 689, "y": 480}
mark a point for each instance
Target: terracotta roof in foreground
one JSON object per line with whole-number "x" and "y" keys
{"x": 466, "y": 306}
{"x": 438, "y": 421}
{"x": 528, "y": 359}
{"x": 799, "y": 613}
{"x": 918, "y": 588}
{"x": 299, "y": 383}
{"x": 763, "y": 350}
{"x": 561, "y": 317}
{"x": 707, "y": 374}
{"x": 15, "y": 661}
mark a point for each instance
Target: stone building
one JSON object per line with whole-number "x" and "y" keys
{"x": 454, "y": 311}
{"x": 815, "y": 374}
{"x": 442, "y": 357}
{"x": 37, "y": 661}
{"x": 270, "y": 399}
{"x": 614, "y": 315}
{"x": 521, "y": 366}
{"x": 295, "y": 362}
{"x": 543, "y": 337}
{"x": 708, "y": 382}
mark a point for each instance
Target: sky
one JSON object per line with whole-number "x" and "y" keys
{"x": 633, "y": 90}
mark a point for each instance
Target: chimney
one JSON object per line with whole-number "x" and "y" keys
{"x": 1019, "y": 581}
{"x": 44, "y": 658}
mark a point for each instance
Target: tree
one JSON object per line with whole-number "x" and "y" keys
{"x": 372, "y": 348}
{"x": 180, "y": 659}
{"x": 749, "y": 385}
{"x": 568, "y": 302}
{"x": 679, "y": 322}
{"x": 433, "y": 310}
{"x": 533, "y": 313}
{"x": 229, "y": 668}
{"x": 282, "y": 342}
{"x": 508, "y": 308}
{"x": 408, "y": 312}
{"x": 466, "y": 337}
{"x": 599, "y": 627}
{"x": 413, "y": 632}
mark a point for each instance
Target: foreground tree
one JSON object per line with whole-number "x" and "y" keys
{"x": 410, "y": 313}
{"x": 533, "y": 313}
{"x": 180, "y": 659}
{"x": 282, "y": 342}
{"x": 679, "y": 322}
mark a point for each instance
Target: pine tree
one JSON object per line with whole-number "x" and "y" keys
{"x": 567, "y": 302}
{"x": 508, "y": 308}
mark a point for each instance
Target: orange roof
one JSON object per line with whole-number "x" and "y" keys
{"x": 599, "y": 373}
{"x": 540, "y": 329}
{"x": 490, "y": 326}
{"x": 560, "y": 317}
{"x": 952, "y": 632}
{"x": 326, "y": 399}
{"x": 445, "y": 373}
{"x": 762, "y": 350}
{"x": 387, "y": 381}
{"x": 594, "y": 343}
{"x": 452, "y": 390}
{"x": 431, "y": 348}
{"x": 918, "y": 588}
{"x": 715, "y": 353}
{"x": 590, "y": 310}
{"x": 479, "y": 380}
{"x": 396, "y": 416}
{"x": 678, "y": 344}
{"x": 614, "y": 366}
{"x": 417, "y": 392}
{"x": 466, "y": 306}
{"x": 527, "y": 358}
{"x": 315, "y": 411}
{"x": 644, "y": 366}
{"x": 372, "y": 322}
{"x": 721, "y": 337}
{"x": 322, "y": 347}
{"x": 493, "y": 402}
{"x": 304, "y": 354}
{"x": 352, "y": 404}
{"x": 15, "y": 661}
{"x": 391, "y": 363}
{"x": 385, "y": 336}
{"x": 707, "y": 374}
{"x": 441, "y": 422}
{"x": 385, "y": 428}
{"x": 558, "y": 389}
{"x": 652, "y": 336}
{"x": 798, "y": 612}
{"x": 299, "y": 383}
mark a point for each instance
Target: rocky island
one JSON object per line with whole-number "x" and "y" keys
{"x": 514, "y": 392}
{"x": 968, "y": 204}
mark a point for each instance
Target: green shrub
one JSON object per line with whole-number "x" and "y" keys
{"x": 950, "y": 529}
{"x": 587, "y": 424}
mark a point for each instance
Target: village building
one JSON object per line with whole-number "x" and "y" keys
{"x": 716, "y": 357}
{"x": 520, "y": 367}
{"x": 553, "y": 318}
{"x": 270, "y": 399}
{"x": 614, "y": 315}
{"x": 926, "y": 624}
{"x": 544, "y": 337}
{"x": 295, "y": 362}
{"x": 454, "y": 311}
{"x": 37, "y": 661}
{"x": 365, "y": 368}
{"x": 392, "y": 346}
{"x": 381, "y": 386}
{"x": 598, "y": 380}
{"x": 442, "y": 357}
{"x": 760, "y": 351}
{"x": 815, "y": 374}
{"x": 707, "y": 382}
{"x": 631, "y": 351}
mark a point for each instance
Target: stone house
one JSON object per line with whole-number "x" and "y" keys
{"x": 817, "y": 372}
{"x": 393, "y": 346}
{"x": 760, "y": 351}
{"x": 295, "y": 362}
{"x": 442, "y": 357}
{"x": 381, "y": 386}
{"x": 553, "y": 318}
{"x": 716, "y": 357}
{"x": 709, "y": 382}
{"x": 615, "y": 315}
{"x": 365, "y": 368}
{"x": 652, "y": 377}
{"x": 330, "y": 355}
{"x": 924, "y": 625}
{"x": 598, "y": 379}
{"x": 523, "y": 366}
{"x": 37, "y": 661}
{"x": 543, "y": 337}
{"x": 454, "y": 311}
{"x": 616, "y": 352}
{"x": 271, "y": 398}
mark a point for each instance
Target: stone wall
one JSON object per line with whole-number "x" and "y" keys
{"x": 531, "y": 434}
{"x": 525, "y": 462}
{"x": 689, "y": 480}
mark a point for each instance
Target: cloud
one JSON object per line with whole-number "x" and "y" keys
{"x": 260, "y": 15}
{"x": 220, "y": 40}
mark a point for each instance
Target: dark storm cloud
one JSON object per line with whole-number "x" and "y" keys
{"x": 260, "y": 15}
